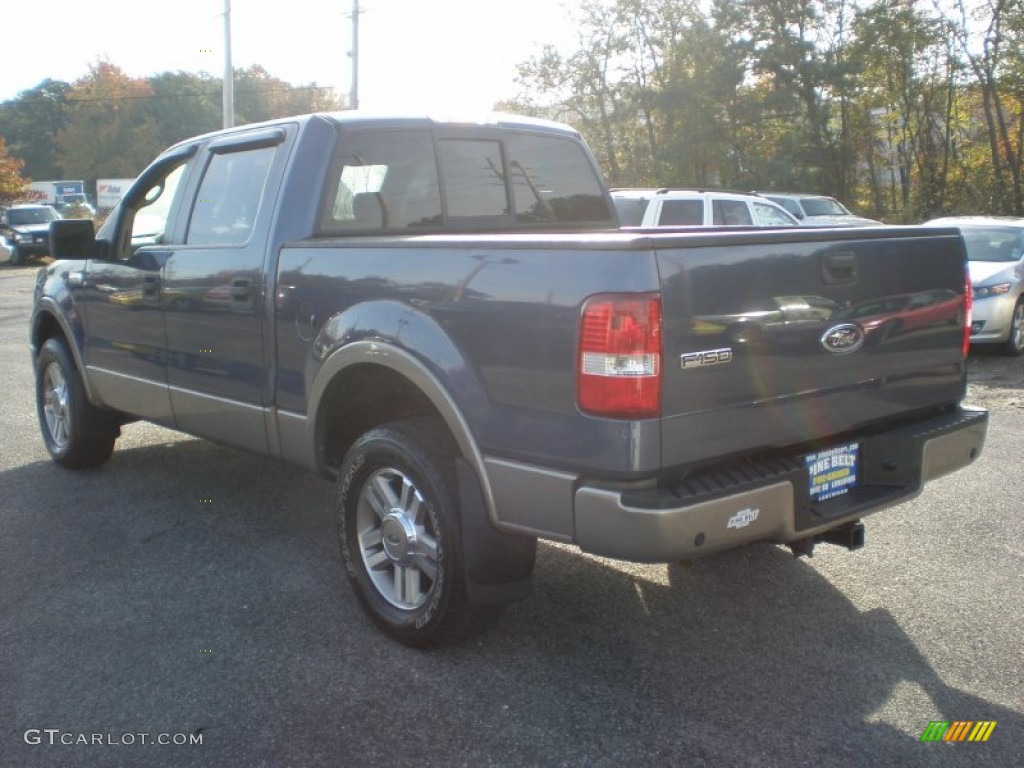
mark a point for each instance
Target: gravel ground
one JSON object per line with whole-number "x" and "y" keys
{"x": 994, "y": 381}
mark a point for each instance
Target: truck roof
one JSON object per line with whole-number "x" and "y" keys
{"x": 378, "y": 120}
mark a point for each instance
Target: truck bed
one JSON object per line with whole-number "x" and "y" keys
{"x": 757, "y": 302}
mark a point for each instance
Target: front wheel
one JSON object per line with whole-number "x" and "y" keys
{"x": 1014, "y": 344}
{"x": 77, "y": 434}
{"x": 400, "y": 533}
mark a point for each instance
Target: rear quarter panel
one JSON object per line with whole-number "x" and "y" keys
{"x": 494, "y": 318}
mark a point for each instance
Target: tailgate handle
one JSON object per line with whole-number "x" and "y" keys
{"x": 839, "y": 268}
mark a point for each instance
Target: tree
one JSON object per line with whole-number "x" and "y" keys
{"x": 13, "y": 185}
{"x": 995, "y": 64}
{"x": 261, "y": 96}
{"x": 184, "y": 104}
{"x": 110, "y": 130}
{"x": 627, "y": 89}
{"x": 30, "y": 124}
{"x": 906, "y": 72}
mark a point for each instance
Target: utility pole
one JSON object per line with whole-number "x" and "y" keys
{"x": 229, "y": 72}
{"x": 353, "y": 94}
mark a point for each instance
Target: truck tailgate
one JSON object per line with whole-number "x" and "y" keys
{"x": 794, "y": 338}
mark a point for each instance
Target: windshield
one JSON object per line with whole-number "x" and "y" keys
{"x": 993, "y": 243}
{"x": 18, "y": 217}
{"x": 823, "y": 206}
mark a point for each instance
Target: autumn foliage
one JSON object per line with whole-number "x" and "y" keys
{"x": 12, "y": 184}
{"x": 109, "y": 124}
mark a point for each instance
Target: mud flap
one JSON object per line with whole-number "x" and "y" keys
{"x": 499, "y": 566}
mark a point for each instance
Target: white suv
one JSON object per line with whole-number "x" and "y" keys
{"x": 696, "y": 208}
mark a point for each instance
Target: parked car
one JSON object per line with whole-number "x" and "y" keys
{"x": 5, "y": 250}
{"x": 890, "y": 316}
{"x": 818, "y": 210}
{"x": 995, "y": 259}
{"x": 696, "y": 208}
{"x": 27, "y": 228}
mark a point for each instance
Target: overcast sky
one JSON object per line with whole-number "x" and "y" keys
{"x": 436, "y": 55}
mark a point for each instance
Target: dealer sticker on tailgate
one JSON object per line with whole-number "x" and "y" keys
{"x": 833, "y": 472}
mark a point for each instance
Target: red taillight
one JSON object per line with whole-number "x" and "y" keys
{"x": 968, "y": 306}
{"x": 619, "y": 363}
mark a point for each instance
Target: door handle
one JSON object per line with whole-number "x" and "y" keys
{"x": 240, "y": 289}
{"x": 839, "y": 268}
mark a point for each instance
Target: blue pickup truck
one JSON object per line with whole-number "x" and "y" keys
{"x": 445, "y": 320}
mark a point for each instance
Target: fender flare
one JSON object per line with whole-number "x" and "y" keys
{"x": 378, "y": 352}
{"x": 47, "y": 306}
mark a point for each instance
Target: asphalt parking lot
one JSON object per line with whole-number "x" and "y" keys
{"x": 187, "y": 592}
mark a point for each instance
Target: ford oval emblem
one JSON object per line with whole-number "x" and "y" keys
{"x": 843, "y": 339}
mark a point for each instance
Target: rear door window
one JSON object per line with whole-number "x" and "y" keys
{"x": 681, "y": 213}
{"x": 384, "y": 180}
{"x": 731, "y": 213}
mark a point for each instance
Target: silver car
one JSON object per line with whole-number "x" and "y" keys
{"x": 818, "y": 210}
{"x": 995, "y": 253}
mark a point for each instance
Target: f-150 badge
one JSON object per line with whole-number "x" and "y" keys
{"x": 705, "y": 358}
{"x": 743, "y": 518}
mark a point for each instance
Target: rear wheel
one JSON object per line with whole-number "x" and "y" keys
{"x": 75, "y": 432}
{"x": 400, "y": 533}
{"x": 1014, "y": 344}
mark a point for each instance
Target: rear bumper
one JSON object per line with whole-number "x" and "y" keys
{"x": 718, "y": 510}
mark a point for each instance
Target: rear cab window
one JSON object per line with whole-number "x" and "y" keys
{"x": 414, "y": 180}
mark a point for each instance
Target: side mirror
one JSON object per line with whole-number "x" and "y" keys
{"x": 72, "y": 239}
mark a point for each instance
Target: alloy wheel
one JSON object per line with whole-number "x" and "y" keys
{"x": 397, "y": 540}
{"x": 55, "y": 405}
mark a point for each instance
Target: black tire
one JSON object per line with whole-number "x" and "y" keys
{"x": 400, "y": 533}
{"x": 1014, "y": 344}
{"x": 15, "y": 258}
{"x": 76, "y": 433}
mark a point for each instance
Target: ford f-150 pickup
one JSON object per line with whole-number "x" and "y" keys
{"x": 445, "y": 320}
